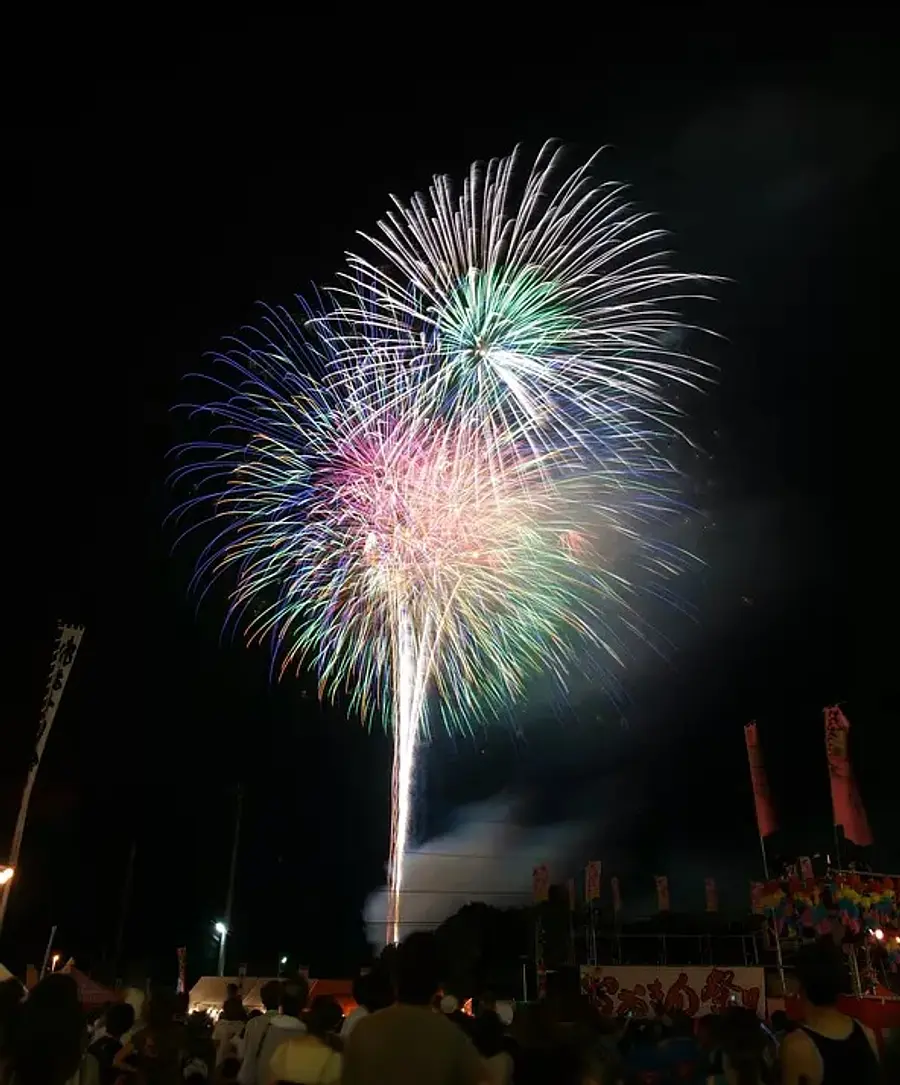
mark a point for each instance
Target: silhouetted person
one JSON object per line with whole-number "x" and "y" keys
{"x": 256, "y": 1031}
{"x": 829, "y": 1048}
{"x": 117, "y": 1020}
{"x": 46, "y": 1046}
{"x": 313, "y": 1057}
{"x": 233, "y": 1007}
{"x": 326, "y": 1015}
{"x": 743, "y": 1048}
{"x": 407, "y": 1044}
{"x": 489, "y": 1038}
{"x": 12, "y": 994}
{"x": 156, "y": 1053}
{"x": 371, "y": 992}
{"x": 285, "y": 1025}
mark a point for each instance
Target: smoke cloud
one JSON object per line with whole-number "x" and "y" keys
{"x": 486, "y": 857}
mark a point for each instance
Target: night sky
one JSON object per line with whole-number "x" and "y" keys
{"x": 150, "y": 201}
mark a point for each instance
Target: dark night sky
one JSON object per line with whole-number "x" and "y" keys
{"x": 149, "y": 204}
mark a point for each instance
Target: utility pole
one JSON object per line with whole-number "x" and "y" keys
{"x": 124, "y": 908}
{"x": 229, "y": 900}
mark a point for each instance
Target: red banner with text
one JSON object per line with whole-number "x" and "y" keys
{"x": 617, "y": 990}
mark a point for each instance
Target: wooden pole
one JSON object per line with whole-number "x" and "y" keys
{"x": 778, "y": 957}
{"x": 47, "y": 950}
{"x": 124, "y": 908}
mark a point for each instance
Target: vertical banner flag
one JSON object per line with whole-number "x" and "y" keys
{"x": 662, "y": 892}
{"x": 765, "y": 812}
{"x": 69, "y": 638}
{"x": 541, "y": 883}
{"x": 592, "y": 881}
{"x": 182, "y": 976}
{"x": 845, "y": 800}
{"x": 712, "y": 895}
{"x": 541, "y": 978}
{"x": 806, "y": 868}
{"x": 756, "y": 898}
{"x": 616, "y": 894}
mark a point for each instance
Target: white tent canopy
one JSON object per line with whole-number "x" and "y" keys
{"x": 209, "y": 992}
{"x": 5, "y": 973}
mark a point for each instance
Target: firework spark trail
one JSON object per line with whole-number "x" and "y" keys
{"x": 409, "y": 708}
{"x": 547, "y": 310}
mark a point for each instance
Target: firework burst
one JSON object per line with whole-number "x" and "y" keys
{"x": 438, "y": 486}
{"x": 541, "y": 302}
{"x": 401, "y": 554}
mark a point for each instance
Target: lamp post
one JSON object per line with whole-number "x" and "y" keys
{"x": 281, "y": 965}
{"x": 222, "y": 932}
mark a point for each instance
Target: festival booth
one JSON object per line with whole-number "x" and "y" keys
{"x": 859, "y": 910}
{"x": 91, "y": 994}
{"x": 864, "y": 904}
{"x": 340, "y": 990}
{"x": 209, "y": 993}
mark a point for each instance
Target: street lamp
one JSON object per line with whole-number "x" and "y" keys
{"x": 281, "y": 964}
{"x": 222, "y": 931}
{"x": 7, "y": 873}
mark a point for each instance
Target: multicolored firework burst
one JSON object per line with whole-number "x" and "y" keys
{"x": 437, "y": 485}
{"x": 403, "y": 554}
{"x": 541, "y": 302}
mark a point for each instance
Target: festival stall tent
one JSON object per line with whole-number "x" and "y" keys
{"x": 5, "y": 973}
{"x": 250, "y": 989}
{"x": 340, "y": 990}
{"x": 92, "y": 995}
{"x": 209, "y": 992}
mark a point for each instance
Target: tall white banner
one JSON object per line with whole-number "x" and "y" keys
{"x": 63, "y": 657}
{"x": 617, "y": 990}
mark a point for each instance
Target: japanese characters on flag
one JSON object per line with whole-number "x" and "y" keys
{"x": 616, "y": 894}
{"x": 540, "y": 880}
{"x": 592, "y": 880}
{"x": 68, "y": 640}
{"x": 662, "y": 892}
{"x": 806, "y": 868}
{"x": 712, "y": 895}
{"x": 765, "y": 812}
{"x": 620, "y": 989}
{"x": 181, "y": 986}
{"x": 848, "y": 808}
